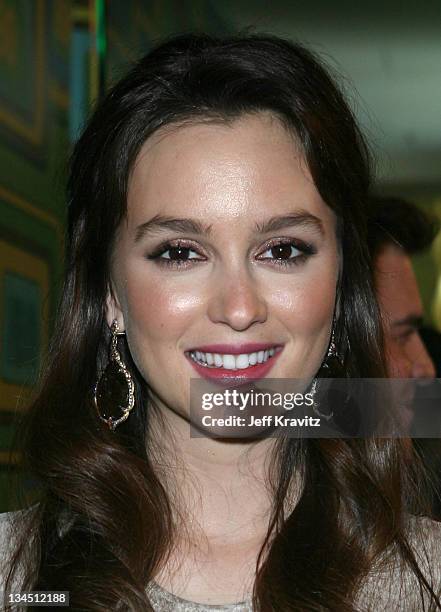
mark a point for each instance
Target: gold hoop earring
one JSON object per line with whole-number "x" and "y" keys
{"x": 114, "y": 392}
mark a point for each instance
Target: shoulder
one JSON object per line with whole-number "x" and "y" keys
{"x": 392, "y": 581}
{"x": 11, "y": 525}
{"x": 431, "y": 529}
{"x": 8, "y": 528}
{"x": 8, "y": 521}
{"x": 426, "y": 532}
{"x": 425, "y": 540}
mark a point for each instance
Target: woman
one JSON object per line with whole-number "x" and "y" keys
{"x": 216, "y": 222}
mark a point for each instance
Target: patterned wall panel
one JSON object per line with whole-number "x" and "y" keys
{"x": 22, "y": 27}
{"x": 34, "y": 104}
{"x": 133, "y": 26}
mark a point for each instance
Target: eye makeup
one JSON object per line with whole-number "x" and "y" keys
{"x": 180, "y": 254}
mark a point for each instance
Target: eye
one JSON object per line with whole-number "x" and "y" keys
{"x": 405, "y": 335}
{"x": 175, "y": 255}
{"x": 179, "y": 253}
{"x": 287, "y": 252}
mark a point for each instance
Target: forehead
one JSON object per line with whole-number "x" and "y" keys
{"x": 396, "y": 284}
{"x": 252, "y": 166}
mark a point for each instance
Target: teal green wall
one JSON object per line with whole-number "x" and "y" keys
{"x": 134, "y": 25}
{"x": 34, "y": 99}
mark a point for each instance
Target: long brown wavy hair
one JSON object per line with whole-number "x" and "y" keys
{"x": 356, "y": 493}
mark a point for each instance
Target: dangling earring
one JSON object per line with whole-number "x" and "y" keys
{"x": 114, "y": 394}
{"x": 330, "y": 368}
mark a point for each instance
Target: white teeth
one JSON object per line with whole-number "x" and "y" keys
{"x": 232, "y": 362}
{"x": 242, "y": 361}
{"x": 229, "y": 362}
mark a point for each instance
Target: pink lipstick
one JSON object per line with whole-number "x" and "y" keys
{"x": 234, "y": 362}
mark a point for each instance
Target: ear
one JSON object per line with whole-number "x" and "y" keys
{"x": 113, "y": 309}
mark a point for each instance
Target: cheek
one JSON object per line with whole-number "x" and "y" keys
{"x": 159, "y": 312}
{"x": 306, "y": 303}
{"x": 396, "y": 359}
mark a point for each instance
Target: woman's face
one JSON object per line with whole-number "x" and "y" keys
{"x": 227, "y": 262}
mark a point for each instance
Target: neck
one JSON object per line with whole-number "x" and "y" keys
{"x": 222, "y": 506}
{"x": 219, "y": 484}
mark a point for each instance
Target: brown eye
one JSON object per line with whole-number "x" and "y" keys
{"x": 287, "y": 252}
{"x": 282, "y": 251}
{"x": 178, "y": 253}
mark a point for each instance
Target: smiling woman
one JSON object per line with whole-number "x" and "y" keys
{"x": 216, "y": 230}
{"x": 231, "y": 284}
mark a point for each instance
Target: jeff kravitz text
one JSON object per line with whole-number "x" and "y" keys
{"x": 265, "y": 421}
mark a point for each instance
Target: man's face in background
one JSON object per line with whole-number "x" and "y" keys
{"x": 402, "y": 311}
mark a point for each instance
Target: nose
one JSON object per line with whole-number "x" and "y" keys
{"x": 237, "y": 301}
{"x": 422, "y": 364}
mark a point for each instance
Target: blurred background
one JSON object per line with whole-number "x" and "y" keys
{"x": 58, "y": 56}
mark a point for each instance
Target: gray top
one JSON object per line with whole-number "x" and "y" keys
{"x": 163, "y": 601}
{"x": 391, "y": 587}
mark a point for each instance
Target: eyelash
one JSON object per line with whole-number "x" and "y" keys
{"x": 306, "y": 251}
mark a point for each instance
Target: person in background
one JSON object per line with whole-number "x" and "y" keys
{"x": 397, "y": 230}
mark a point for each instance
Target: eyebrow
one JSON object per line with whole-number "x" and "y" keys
{"x": 412, "y": 320}
{"x": 160, "y": 223}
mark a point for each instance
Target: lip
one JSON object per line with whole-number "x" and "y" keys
{"x": 220, "y": 375}
{"x": 235, "y": 349}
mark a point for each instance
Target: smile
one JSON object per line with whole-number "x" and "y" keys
{"x": 227, "y": 362}
{"x": 231, "y": 362}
